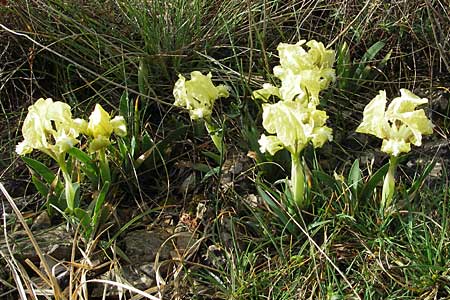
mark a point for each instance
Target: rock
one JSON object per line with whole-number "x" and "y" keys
{"x": 56, "y": 241}
{"x": 234, "y": 169}
{"x": 141, "y": 246}
{"x": 42, "y": 221}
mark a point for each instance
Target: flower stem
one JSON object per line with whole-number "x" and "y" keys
{"x": 388, "y": 186}
{"x": 105, "y": 172}
{"x": 298, "y": 181}
{"x": 216, "y": 136}
{"x": 69, "y": 190}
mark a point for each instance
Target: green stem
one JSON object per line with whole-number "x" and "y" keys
{"x": 105, "y": 172}
{"x": 216, "y": 136}
{"x": 298, "y": 181}
{"x": 388, "y": 186}
{"x": 69, "y": 190}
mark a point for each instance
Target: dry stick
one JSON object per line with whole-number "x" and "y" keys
{"x": 51, "y": 278}
{"x": 81, "y": 66}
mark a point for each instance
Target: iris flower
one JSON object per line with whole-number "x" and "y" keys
{"x": 293, "y": 126}
{"x": 303, "y": 74}
{"x": 49, "y": 127}
{"x": 198, "y": 94}
{"x": 100, "y": 127}
{"x": 400, "y": 125}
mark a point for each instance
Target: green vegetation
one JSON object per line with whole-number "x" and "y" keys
{"x": 220, "y": 216}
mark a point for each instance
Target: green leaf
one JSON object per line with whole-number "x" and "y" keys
{"x": 204, "y": 168}
{"x": 367, "y": 57}
{"x": 343, "y": 65}
{"x": 211, "y": 172}
{"x": 214, "y": 156}
{"x": 147, "y": 142}
{"x": 326, "y": 180}
{"x": 77, "y": 199}
{"x": 419, "y": 181}
{"x": 128, "y": 224}
{"x": 84, "y": 219}
{"x": 133, "y": 146}
{"x": 41, "y": 169}
{"x": 373, "y": 181}
{"x": 276, "y": 210}
{"x": 40, "y": 186}
{"x": 99, "y": 204}
{"x": 143, "y": 76}
{"x": 82, "y": 156}
{"x": 88, "y": 167}
{"x": 385, "y": 59}
{"x": 121, "y": 144}
{"x": 124, "y": 105}
{"x": 354, "y": 179}
{"x": 275, "y": 207}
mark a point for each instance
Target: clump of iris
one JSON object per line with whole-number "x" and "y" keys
{"x": 49, "y": 128}
{"x": 400, "y": 125}
{"x": 198, "y": 96}
{"x": 294, "y": 121}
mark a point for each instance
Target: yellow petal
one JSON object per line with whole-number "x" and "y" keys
{"x": 179, "y": 92}
{"x": 395, "y": 146}
{"x": 23, "y": 148}
{"x": 198, "y": 94}
{"x": 403, "y": 109}
{"x": 320, "y": 56}
{"x": 99, "y": 123}
{"x": 63, "y": 142}
{"x": 303, "y": 74}
{"x": 293, "y": 56}
{"x": 295, "y": 125}
{"x": 80, "y": 125}
{"x": 98, "y": 143}
{"x": 374, "y": 121}
{"x": 291, "y": 87}
{"x": 270, "y": 144}
{"x": 400, "y": 126}
{"x": 48, "y": 127}
{"x": 321, "y": 135}
{"x": 266, "y": 92}
{"x": 119, "y": 126}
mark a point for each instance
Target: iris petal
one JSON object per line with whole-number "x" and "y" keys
{"x": 400, "y": 125}
{"x": 198, "y": 94}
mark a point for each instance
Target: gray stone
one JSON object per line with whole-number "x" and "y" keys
{"x": 141, "y": 246}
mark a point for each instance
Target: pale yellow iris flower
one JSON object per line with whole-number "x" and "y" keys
{"x": 49, "y": 127}
{"x": 293, "y": 126}
{"x": 303, "y": 74}
{"x": 400, "y": 125}
{"x": 100, "y": 127}
{"x": 198, "y": 94}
